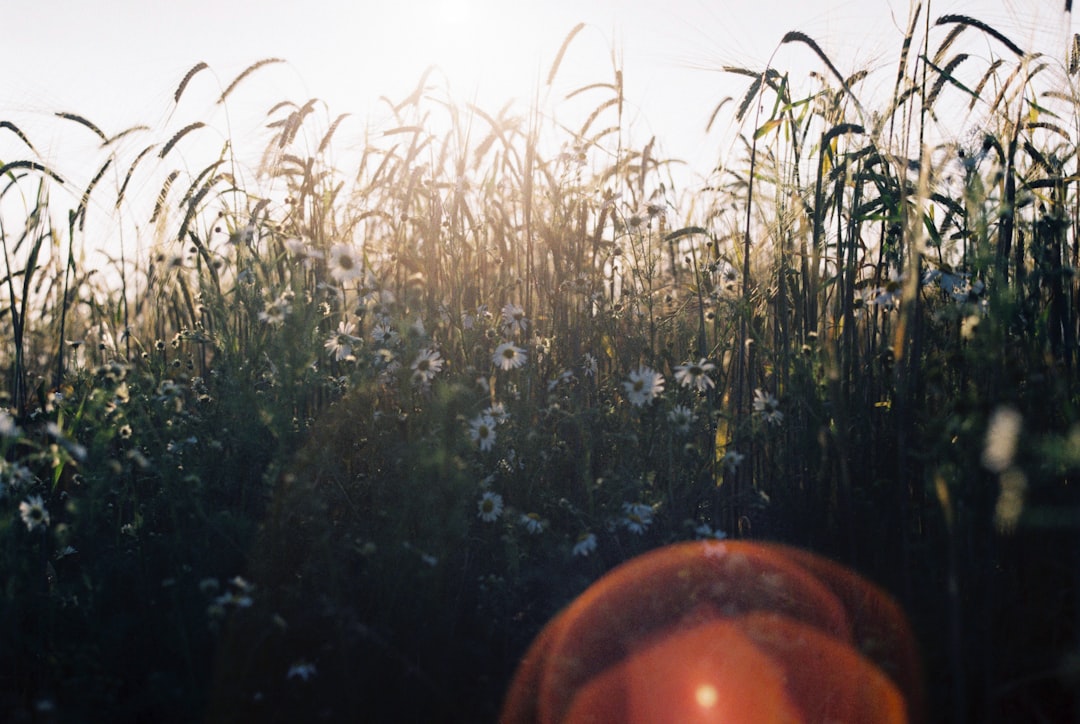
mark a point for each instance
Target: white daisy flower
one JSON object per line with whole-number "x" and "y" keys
{"x": 302, "y": 250}
{"x": 489, "y": 507}
{"x": 637, "y": 517}
{"x": 275, "y": 312}
{"x": 644, "y": 385}
{"x": 566, "y": 376}
{"x": 532, "y": 523}
{"x": 681, "y": 418}
{"x": 426, "y": 365}
{"x": 731, "y": 460}
{"x": 586, "y": 544}
{"x": 8, "y": 428}
{"x": 482, "y": 431}
{"x": 498, "y": 413}
{"x": 384, "y": 334}
{"x": 888, "y": 297}
{"x": 301, "y": 670}
{"x": 344, "y": 265}
{"x": 590, "y": 364}
{"x": 340, "y": 345}
{"x": 508, "y": 357}
{"x": 695, "y": 375}
{"x": 16, "y": 475}
{"x": 514, "y": 319}
{"x": 768, "y": 407}
{"x": 33, "y": 512}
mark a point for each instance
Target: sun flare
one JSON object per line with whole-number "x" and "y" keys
{"x": 454, "y": 12}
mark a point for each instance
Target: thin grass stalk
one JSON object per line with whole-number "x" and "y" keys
{"x": 19, "y": 303}
{"x": 69, "y": 266}
{"x": 742, "y": 358}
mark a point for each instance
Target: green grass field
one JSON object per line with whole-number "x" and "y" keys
{"x": 333, "y": 432}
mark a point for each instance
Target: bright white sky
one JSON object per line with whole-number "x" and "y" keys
{"x": 117, "y": 62}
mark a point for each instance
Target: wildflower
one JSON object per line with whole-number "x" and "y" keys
{"x": 514, "y": 319}
{"x": 275, "y": 312}
{"x": 245, "y": 235}
{"x": 340, "y": 345}
{"x": 301, "y": 670}
{"x": 302, "y": 250}
{"x": 8, "y": 428}
{"x": 731, "y": 460}
{"x": 586, "y": 544}
{"x": 768, "y": 407}
{"x": 695, "y": 375}
{"x": 16, "y": 475}
{"x": 543, "y": 345}
{"x": 533, "y": 523}
{"x": 124, "y": 432}
{"x": 681, "y": 418}
{"x": 566, "y": 376}
{"x": 386, "y": 361}
{"x": 295, "y": 246}
{"x": 888, "y": 297}
{"x": 33, "y": 512}
{"x": 482, "y": 431}
{"x": 508, "y": 357}
{"x": 489, "y": 507}
{"x": 383, "y": 334}
{"x": 238, "y": 595}
{"x": 114, "y": 373}
{"x": 590, "y": 364}
{"x": 498, "y": 413}
{"x": 426, "y": 365}
{"x": 637, "y": 517}
{"x": 178, "y": 446}
{"x": 344, "y": 266}
{"x": 644, "y": 385}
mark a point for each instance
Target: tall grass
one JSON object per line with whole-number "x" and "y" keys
{"x": 278, "y": 457}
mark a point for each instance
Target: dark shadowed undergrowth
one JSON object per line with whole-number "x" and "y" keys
{"x": 340, "y": 422}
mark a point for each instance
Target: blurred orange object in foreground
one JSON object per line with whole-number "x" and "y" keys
{"x": 715, "y": 631}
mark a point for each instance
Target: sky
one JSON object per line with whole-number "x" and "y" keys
{"x": 118, "y": 62}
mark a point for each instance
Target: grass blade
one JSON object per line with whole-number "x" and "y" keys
{"x": 29, "y": 165}
{"x": 978, "y": 24}
{"x": 84, "y": 122}
{"x": 178, "y": 135}
{"x": 562, "y": 52}
{"x": 15, "y": 129}
{"x": 187, "y": 79}
{"x": 246, "y": 72}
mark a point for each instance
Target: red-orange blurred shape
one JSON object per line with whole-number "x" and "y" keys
{"x": 717, "y": 631}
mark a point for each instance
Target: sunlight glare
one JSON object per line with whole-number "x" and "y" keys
{"x": 706, "y": 696}
{"x": 455, "y": 12}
